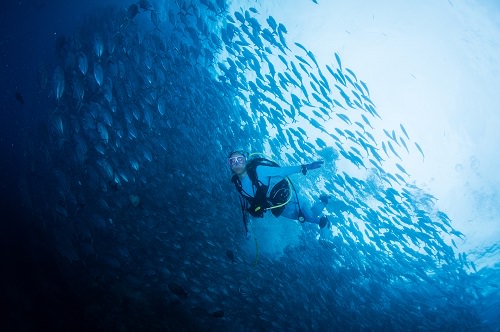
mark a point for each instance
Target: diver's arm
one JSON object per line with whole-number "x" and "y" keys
{"x": 267, "y": 171}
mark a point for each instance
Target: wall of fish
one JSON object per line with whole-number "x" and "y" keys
{"x": 147, "y": 102}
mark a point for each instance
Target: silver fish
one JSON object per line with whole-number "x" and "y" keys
{"x": 59, "y": 82}
{"x": 83, "y": 63}
{"x": 103, "y": 132}
{"x": 98, "y": 74}
{"x": 98, "y": 45}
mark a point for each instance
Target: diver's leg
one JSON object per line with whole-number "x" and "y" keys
{"x": 312, "y": 214}
{"x": 316, "y": 212}
{"x": 291, "y": 210}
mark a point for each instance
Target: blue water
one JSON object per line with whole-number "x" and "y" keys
{"x": 117, "y": 119}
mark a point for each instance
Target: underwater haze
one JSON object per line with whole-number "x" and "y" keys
{"x": 118, "y": 213}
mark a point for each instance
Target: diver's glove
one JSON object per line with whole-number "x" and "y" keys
{"x": 313, "y": 165}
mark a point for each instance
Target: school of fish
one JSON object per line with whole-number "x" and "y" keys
{"x": 149, "y": 99}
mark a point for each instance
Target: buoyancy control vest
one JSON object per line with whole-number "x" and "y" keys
{"x": 261, "y": 202}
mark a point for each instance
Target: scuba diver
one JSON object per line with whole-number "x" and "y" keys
{"x": 263, "y": 186}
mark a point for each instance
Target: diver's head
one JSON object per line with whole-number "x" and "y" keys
{"x": 237, "y": 161}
